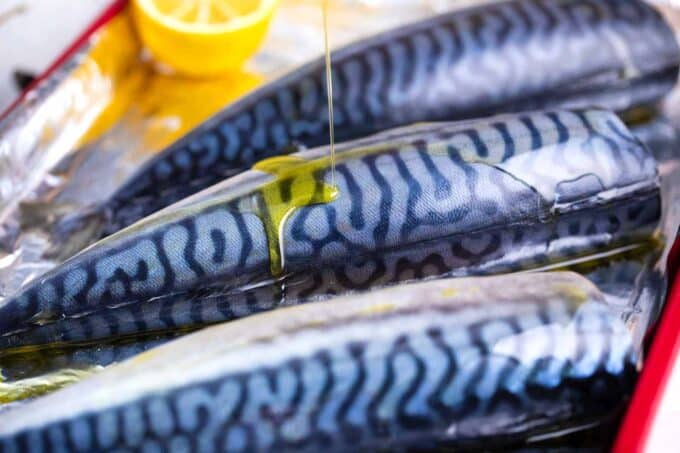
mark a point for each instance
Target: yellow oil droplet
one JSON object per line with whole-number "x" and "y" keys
{"x": 575, "y": 295}
{"x": 450, "y": 292}
{"x": 297, "y": 183}
{"x": 377, "y": 309}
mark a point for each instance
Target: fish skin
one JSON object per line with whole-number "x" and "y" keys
{"x": 446, "y": 362}
{"x": 451, "y": 199}
{"x": 508, "y": 56}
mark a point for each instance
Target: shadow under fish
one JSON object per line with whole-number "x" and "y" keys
{"x": 494, "y": 195}
{"x": 449, "y": 363}
{"x": 503, "y": 57}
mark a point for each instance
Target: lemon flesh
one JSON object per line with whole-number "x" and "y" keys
{"x": 202, "y": 37}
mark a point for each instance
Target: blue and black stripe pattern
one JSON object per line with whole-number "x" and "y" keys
{"x": 449, "y": 199}
{"x": 515, "y": 355}
{"x": 509, "y": 56}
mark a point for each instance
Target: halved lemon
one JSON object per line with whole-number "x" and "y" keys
{"x": 202, "y": 37}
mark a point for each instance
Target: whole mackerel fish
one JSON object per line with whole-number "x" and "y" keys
{"x": 451, "y": 199}
{"x": 448, "y": 363}
{"x": 629, "y": 280}
{"x": 503, "y": 57}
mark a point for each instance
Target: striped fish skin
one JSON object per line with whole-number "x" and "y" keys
{"x": 512, "y": 56}
{"x": 478, "y": 197}
{"x": 447, "y": 362}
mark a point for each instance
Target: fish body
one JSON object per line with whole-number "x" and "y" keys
{"x": 507, "y": 56}
{"x": 442, "y": 363}
{"x": 451, "y": 199}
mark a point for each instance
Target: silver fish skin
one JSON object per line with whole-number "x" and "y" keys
{"x": 451, "y": 199}
{"x": 447, "y": 362}
{"x": 504, "y": 57}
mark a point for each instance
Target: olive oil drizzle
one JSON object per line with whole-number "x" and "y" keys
{"x": 297, "y": 183}
{"x": 329, "y": 88}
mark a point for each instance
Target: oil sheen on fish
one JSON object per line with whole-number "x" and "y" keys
{"x": 441, "y": 363}
{"x": 509, "y": 56}
{"x": 449, "y": 199}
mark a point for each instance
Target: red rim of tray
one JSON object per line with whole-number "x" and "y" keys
{"x": 109, "y": 13}
{"x": 663, "y": 353}
{"x": 665, "y": 347}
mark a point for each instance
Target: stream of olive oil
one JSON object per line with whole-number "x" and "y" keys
{"x": 297, "y": 182}
{"x": 329, "y": 88}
